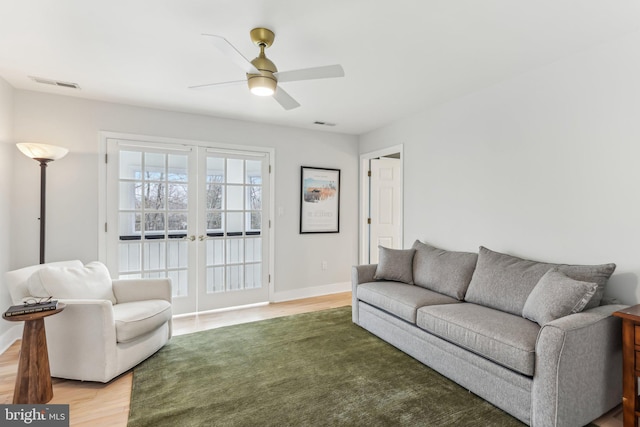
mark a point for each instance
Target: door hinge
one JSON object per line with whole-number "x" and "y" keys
{"x": 106, "y": 158}
{"x": 368, "y": 173}
{"x": 269, "y": 223}
{"x": 269, "y": 168}
{"x": 105, "y": 227}
{"x": 269, "y": 278}
{"x": 368, "y": 220}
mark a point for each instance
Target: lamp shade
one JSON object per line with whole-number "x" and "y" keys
{"x": 35, "y": 150}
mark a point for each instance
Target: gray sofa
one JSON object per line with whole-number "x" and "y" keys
{"x": 532, "y": 338}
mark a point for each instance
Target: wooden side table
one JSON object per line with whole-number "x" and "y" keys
{"x": 630, "y": 364}
{"x": 33, "y": 382}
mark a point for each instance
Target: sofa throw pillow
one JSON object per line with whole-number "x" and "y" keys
{"x": 557, "y": 295}
{"x": 446, "y": 272}
{"x": 504, "y": 282}
{"x": 91, "y": 281}
{"x": 395, "y": 265}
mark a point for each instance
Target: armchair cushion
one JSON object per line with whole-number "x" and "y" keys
{"x": 91, "y": 281}
{"x": 130, "y": 290}
{"x": 17, "y": 280}
{"x": 134, "y": 319}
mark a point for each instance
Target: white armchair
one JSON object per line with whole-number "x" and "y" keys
{"x": 96, "y": 339}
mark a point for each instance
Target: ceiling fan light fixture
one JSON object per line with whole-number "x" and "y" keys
{"x": 261, "y": 85}
{"x": 262, "y": 74}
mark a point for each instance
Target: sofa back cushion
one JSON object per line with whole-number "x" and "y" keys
{"x": 504, "y": 282}
{"x": 446, "y": 272}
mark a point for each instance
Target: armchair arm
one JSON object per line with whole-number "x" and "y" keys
{"x": 129, "y": 290}
{"x": 81, "y": 340}
{"x": 578, "y": 372}
{"x": 359, "y": 274}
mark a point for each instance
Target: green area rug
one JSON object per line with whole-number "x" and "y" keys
{"x": 313, "y": 369}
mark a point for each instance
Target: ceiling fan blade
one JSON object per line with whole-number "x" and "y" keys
{"x": 284, "y": 99}
{"x": 325, "y": 72}
{"x": 232, "y": 53}
{"x": 208, "y": 85}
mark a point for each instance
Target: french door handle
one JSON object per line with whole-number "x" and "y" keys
{"x": 191, "y": 238}
{"x": 202, "y": 238}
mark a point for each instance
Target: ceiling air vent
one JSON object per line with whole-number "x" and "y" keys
{"x": 55, "y": 82}
{"x": 323, "y": 123}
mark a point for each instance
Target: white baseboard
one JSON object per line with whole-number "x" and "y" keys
{"x": 10, "y": 336}
{"x": 315, "y": 291}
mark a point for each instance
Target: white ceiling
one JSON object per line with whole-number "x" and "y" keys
{"x": 399, "y": 56}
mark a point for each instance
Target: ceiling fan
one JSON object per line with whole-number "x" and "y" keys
{"x": 262, "y": 75}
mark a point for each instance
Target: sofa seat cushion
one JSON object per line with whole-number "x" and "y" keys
{"x": 501, "y": 337}
{"x": 134, "y": 319}
{"x": 400, "y": 299}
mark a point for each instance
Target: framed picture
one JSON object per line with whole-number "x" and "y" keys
{"x": 319, "y": 200}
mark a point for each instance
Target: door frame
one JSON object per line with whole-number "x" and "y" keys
{"x": 365, "y": 196}
{"x": 102, "y": 186}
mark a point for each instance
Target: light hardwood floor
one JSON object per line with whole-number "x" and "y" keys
{"x": 107, "y": 405}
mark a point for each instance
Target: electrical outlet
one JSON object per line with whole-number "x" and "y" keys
{"x": 324, "y": 265}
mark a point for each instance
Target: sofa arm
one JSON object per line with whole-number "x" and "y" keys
{"x": 129, "y": 290}
{"x": 81, "y": 340}
{"x": 363, "y": 273}
{"x": 360, "y": 274}
{"x": 578, "y": 372}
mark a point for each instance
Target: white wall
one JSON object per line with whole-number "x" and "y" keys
{"x": 72, "y": 183}
{"x": 8, "y": 331}
{"x": 544, "y": 166}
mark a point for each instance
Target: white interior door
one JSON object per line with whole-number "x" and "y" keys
{"x": 385, "y": 205}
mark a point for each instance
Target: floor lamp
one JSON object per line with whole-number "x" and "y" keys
{"x": 42, "y": 153}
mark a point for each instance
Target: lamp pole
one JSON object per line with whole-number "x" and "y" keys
{"x": 43, "y": 202}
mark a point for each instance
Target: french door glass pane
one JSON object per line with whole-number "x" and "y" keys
{"x": 253, "y": 252}
{"x": 253, "y": 276}
{"x": 234, "y": 197}
{"x": 130, "y": 257}
{"x": 130, "y": 162}
{"x": 177, "y": 254}
{"x": 154, "y": 255}
{"x": 215, "y": 280}
{"x": 235, "y": 171}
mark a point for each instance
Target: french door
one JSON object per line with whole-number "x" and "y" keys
{"x": 194, "y": 214}
{"x": 233, "y": 230}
